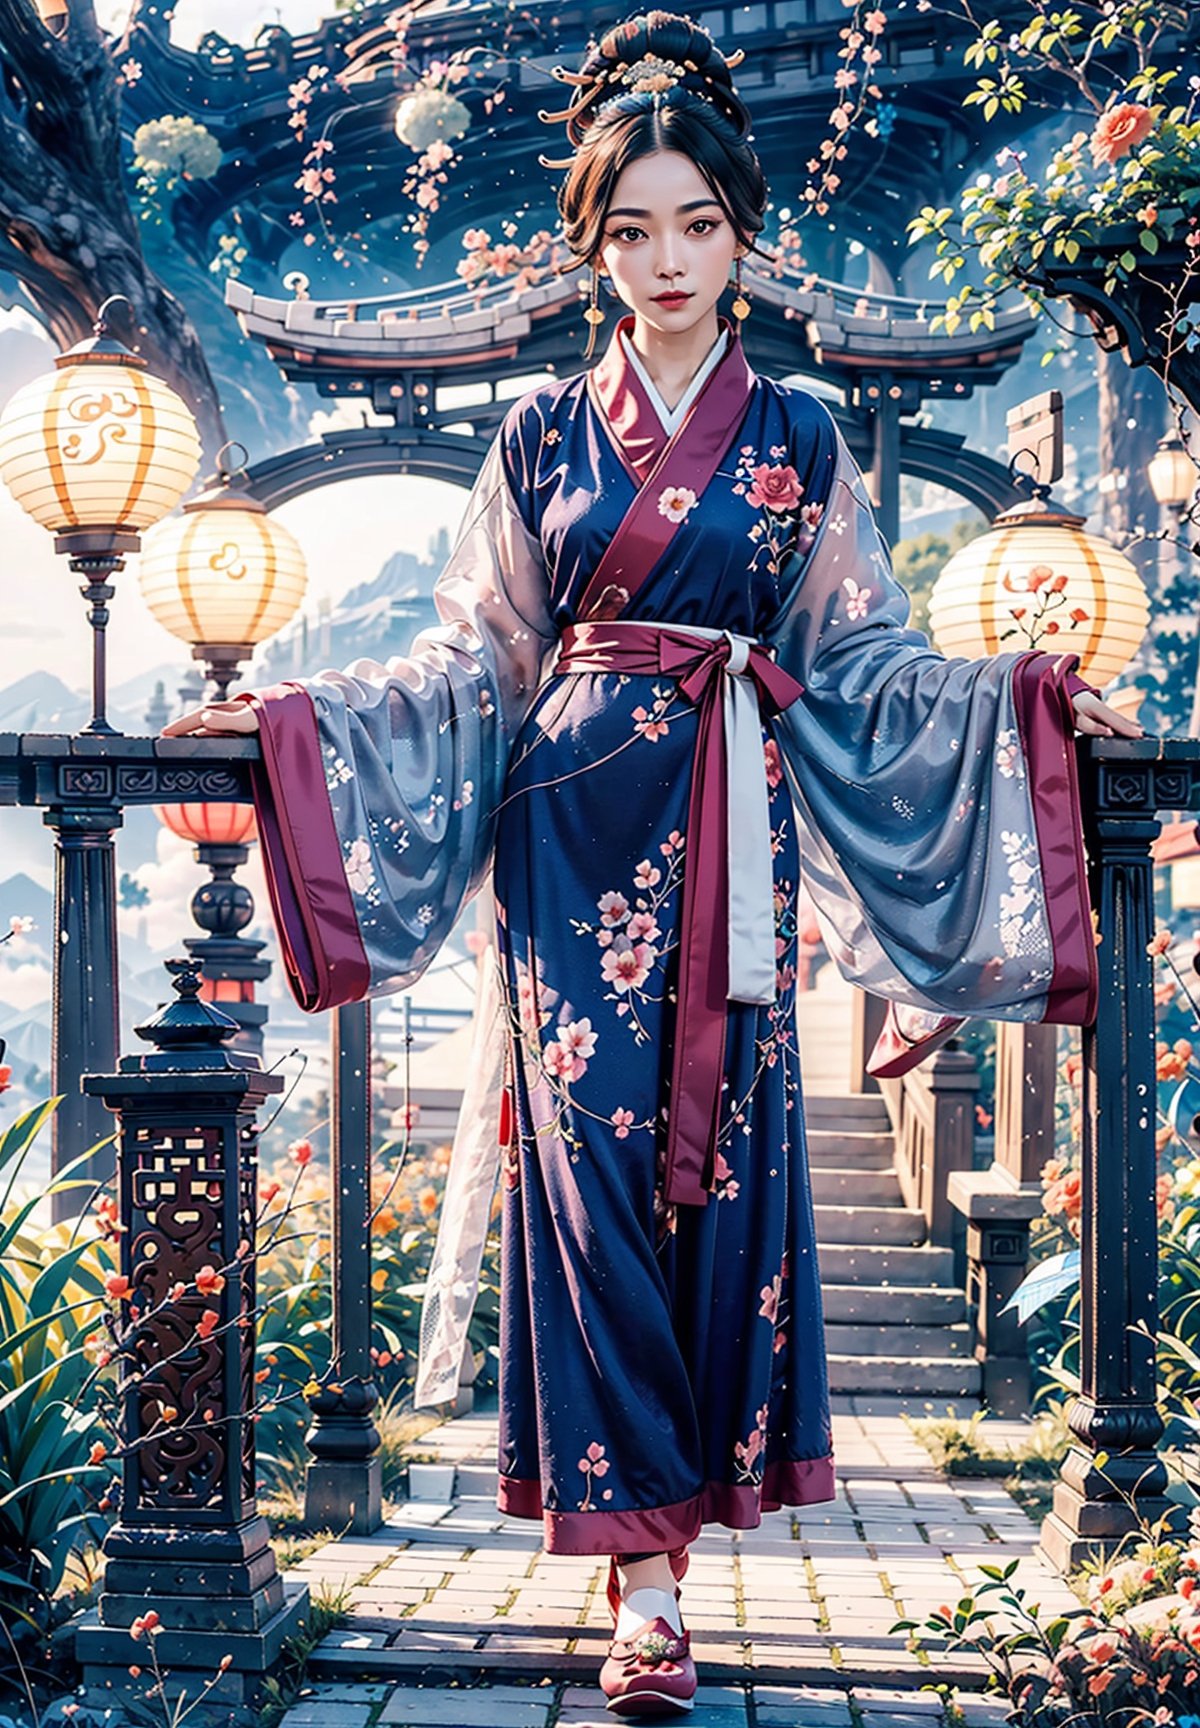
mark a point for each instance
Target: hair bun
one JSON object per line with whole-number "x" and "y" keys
{"x": 661, "y": 55}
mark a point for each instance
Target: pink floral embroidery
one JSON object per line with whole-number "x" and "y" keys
{"x": 613, "y": 908}
{"x": 651, "y": 726}
{"x": 674, "y": 502}
{"x": 622, "y": 1121}
{"x": 770, "y": 1294}
{"x": 643, "y": 926}
{"x": 774, "y": 488}
{"x": 773, "y": 763}
{"x": 725, "y": 1184}
{"x": 568, "y": 1058}
{"x": 673, "y": 840}
{"x": 748, "y": 1451}
{"x": 627, "y": 968}
{"x": 646, "y": 876}
{"x": 594, "y": 1466}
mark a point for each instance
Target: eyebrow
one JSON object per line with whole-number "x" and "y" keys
{"x": 682, "y": 210}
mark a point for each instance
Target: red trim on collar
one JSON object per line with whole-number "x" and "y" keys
{"x": 637, "y": 431}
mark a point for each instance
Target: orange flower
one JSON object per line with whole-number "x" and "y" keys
{"x": 269, "y": 1192}
{"x": 209, "y": 1281}
{"x": 169, "y": 1412}
{"x": 301, "y": 1151}
{"x": 1159, "y": 942}
{"x": 5, "y": 1076}
{"x": 117, "y": 1286}
{"x": 98, "y": 1453}
{"x": 207, "y": 1323}
{"x": 147, "y": 1622}
{"x": 1120, "y": 130}
{"x": 428, "y": 1200}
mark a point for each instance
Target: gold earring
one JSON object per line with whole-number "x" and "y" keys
{"x": 593, "y": 315}
{"x": 741, "y": 306}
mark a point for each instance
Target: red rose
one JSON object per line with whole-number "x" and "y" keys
{"x": 1118, "y": 131}
{"x": 775, "y": 488}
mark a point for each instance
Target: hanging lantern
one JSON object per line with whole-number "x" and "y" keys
{"x": 1172, "y": 473}
{"x": 224, "y": 575}
{"x": 96, "y": 451}
{"x": 209, "y": 824}
{"x": 100, "y": 443}
{"x": 1036, "y": 580}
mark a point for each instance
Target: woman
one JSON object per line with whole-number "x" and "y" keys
{"x": 671, "y": 648}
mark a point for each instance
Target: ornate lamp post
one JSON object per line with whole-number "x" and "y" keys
{"x": 224, "y": 575}
{"x": 222, "y": 835}
{"x": 189, "y": 1541}
{"x": 96, "y": 451}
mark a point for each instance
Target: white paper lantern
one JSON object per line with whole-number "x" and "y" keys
{"x": 223, "y": 572}
{"x": 99, "y": 443}
{"x": 1035, "y": 580}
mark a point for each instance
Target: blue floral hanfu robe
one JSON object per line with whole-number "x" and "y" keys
{"x": 672, "y": 660}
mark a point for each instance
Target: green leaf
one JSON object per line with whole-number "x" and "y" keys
{"x": 1148, "y": 240}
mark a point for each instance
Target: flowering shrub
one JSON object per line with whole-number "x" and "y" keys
{"x": 1132, "y": 1656}
{"x": 51, "y": 1297}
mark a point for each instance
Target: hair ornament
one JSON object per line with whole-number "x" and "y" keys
{"x": 652, "y": 75}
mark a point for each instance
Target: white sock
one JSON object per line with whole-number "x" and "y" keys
{"x": 647, "y": 1604}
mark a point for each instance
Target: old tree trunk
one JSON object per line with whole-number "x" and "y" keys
{"x": 66, "y": 229}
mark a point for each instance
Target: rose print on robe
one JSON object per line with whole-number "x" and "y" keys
{"x": 786, "y": 524}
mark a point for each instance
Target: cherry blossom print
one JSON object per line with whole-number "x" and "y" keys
{"x": 674, "y": 502}
{"x": 775, "y": 488}
{"x": 1008, "y": 755}
{"x": 643, "y": 927}
{"x": 627, "y": 967}
{"x": 651, "y": 724}
{"x": 726, "y": 1185}
{"x": 613, "y": 908}
{"x": 622, "y": 1121}
{"x": 360, "y": 872}
{"x": 574, "y": 1049}
{"x": 773, "y": 763}
{"x": 594, "y": 1466}
{"x": 646, "y": 875}
{"x": 748, "y": 1451}
{"x": 769, "y": 1298}
{"x": 856, "y": 598}
{"x": 672, "y": 843}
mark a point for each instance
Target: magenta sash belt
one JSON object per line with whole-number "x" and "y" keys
{"x": 703, "y": 667}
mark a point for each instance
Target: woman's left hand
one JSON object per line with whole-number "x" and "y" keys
{"x": 1098, "y": 720}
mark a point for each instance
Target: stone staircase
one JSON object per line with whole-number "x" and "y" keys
{"x": 895, "y": 1321}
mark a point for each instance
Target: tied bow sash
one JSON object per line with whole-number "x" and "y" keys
{"x": 727, "y": 926}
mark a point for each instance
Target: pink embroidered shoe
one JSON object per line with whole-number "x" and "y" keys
{"x": 651, "y": 1674}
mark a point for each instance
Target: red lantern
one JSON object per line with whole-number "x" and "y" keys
{"x": 209, "y": 824}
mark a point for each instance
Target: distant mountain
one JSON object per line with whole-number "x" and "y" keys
{"x": 377, "y": 619}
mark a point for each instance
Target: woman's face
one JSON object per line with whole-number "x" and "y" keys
{"x": 666, "y": 235}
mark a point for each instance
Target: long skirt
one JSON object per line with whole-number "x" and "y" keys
{"x": 661, "y": 1366}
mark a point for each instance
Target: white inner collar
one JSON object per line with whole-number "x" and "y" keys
{"x": 672, "y": 418}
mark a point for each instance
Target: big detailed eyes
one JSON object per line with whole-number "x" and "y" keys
{"x": 703, "y": 226}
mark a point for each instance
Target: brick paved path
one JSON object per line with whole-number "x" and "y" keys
{"x": 460, "y": 1620}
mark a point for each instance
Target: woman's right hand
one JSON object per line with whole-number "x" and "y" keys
{"x": 215, "y": 720}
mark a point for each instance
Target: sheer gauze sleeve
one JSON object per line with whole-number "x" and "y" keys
{"x": 379, "y": 784}
{"x": 937, "y": 797}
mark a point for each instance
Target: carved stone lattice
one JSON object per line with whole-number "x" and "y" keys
{"x": 177, "y": 1202}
